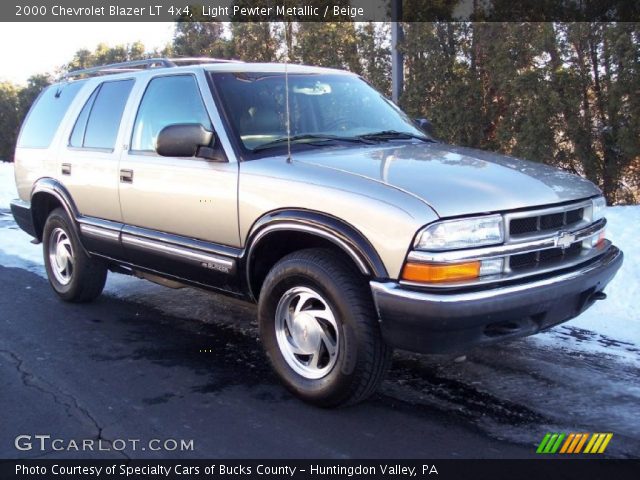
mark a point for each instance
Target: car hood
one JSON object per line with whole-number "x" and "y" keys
{"x": 456, "y": 180}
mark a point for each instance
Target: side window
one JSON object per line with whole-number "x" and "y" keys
{"x": 166, "y": 101}
{"x": 46, "y": 114}
{"x": 77, "y": 135}
{"x": 99, "y": 121}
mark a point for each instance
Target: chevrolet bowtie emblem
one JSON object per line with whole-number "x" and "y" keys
{"x": 564, "y": 240}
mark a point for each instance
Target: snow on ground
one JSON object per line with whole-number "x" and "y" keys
{"x": 7, "y": 184}
{"x": 610, "y": 327}
{"x": 615, "y": 321}
{"x": 15, "y": 247}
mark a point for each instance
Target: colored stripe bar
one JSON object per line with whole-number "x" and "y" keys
{"x": 574, "y": 444}
{"x": 551, "y": 443}
{"x": 555, "y": 447}
{"x": 567, "y": 443}
{"x": 596, "y": 446}
{"x": 583, "y": 439}
{"x": 592, "y": 441}
{"x": 543, "y": 443}
{"x": 605, "y": 442}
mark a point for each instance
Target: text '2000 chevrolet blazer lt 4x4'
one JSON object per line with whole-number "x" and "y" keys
{"x": 306, "y": 191}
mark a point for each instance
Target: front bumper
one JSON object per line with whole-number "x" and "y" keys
{"x": 440, "y": 322}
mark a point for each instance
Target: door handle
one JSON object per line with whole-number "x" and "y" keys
{"x": 66, "y": 169}
{"x": 126, "y": 176}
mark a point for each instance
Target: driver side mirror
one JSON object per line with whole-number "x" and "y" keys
{"x": 185, "y": 140}
{"x": 425, "y": 125}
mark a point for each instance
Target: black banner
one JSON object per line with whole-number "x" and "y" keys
{"x": 319, "y": 10}
{"x": 315, "y": 469}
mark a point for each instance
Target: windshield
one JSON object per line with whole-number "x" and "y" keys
{"x": 324, "y": 108}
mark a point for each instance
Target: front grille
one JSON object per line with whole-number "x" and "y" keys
{"x": 537, "y": 241}
{"x": 544, "y": 258}
{"x": 546, "y": 222}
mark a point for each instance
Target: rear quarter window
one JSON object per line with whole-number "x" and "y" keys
{"x": 46, "y": 113}
{"x": 99, "y": 121}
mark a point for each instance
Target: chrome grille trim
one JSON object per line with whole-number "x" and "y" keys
{"x": 483, "y": 253}
{"x": 562, "y": 238}
{"x": 539, "y": 212}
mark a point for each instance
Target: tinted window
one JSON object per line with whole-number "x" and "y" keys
{"x": 334, "y": 105}
{"x": 106, "y": 113}
{"x": 46, "y": 114}
{"x": 77, "y": 135}
{"x": 167, "y": 100}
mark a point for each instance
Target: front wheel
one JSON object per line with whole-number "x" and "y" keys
{"x": 320, "y": 330}
{"x": 75, "y": 276}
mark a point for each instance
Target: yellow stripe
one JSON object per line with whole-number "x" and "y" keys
{"x": 605, "y": 443}
{"x": 596, "y": 446}
{"x": 567, "y": 442}
{"x": 582, "y": 440}
{"x": 594, "y": 437}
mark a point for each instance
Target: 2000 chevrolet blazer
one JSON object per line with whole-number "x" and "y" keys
{"x": 351, "y": 227}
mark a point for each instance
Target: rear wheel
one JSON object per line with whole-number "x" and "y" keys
{"x": 75, "y": 276}
{"x": 320, "y": 330}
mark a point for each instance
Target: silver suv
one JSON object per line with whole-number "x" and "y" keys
{"x": 306, "y": 191}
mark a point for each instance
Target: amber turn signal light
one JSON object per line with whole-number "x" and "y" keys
{"x": 437, "y": 273}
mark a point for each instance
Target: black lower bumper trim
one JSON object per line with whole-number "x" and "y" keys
{"x": 22, "y": 214}
{"x": 438, "y": 322}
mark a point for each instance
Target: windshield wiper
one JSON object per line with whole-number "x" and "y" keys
{"x": 394, "y": 135}
{"x": 309, "y": 139}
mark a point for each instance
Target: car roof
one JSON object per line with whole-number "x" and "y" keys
{"x": 235, "y": 67}
{"x": 269, "y": 68}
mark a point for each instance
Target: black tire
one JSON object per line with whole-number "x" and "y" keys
{"x": 362, "y": 357}
{"x": 87, "y": 277}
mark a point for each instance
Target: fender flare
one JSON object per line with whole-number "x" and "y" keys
{"x": 54, "y": 188}
{"x": 343, "y": 235}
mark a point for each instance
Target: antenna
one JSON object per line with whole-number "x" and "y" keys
{"x": 286, "y": 93}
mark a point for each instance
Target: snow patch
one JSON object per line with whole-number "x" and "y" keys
{"x": 7, "y": 184}
{"x": 611, "y": 326}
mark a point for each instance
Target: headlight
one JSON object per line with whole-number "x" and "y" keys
{"x": 598, "y": 205}
{"x": 463, "y": 233}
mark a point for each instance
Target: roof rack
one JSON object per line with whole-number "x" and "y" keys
{"x": 200, "y": 60}
{"x": 137, "y": 65}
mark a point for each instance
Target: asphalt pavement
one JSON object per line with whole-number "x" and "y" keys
{"x": 131, "y": 370}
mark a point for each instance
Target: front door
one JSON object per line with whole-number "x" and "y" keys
{"x": 180, "y": 214}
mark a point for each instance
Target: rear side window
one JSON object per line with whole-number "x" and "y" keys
{"x": 99, "y": 121}
{"x": 167, "y": 101}
{"x": 77, "y": 135}
{"x": 46, "y": 114}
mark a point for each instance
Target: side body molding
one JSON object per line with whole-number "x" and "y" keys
{"x": 202, "y": 263}
{"x": 195, "y": 261}
{"x": 343, "y": 235}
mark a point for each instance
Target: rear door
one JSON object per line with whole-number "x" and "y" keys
{"x": 89, "y": 166}
{"x": 180, "y": 214}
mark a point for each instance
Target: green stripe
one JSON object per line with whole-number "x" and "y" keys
{"x": 543, "y": 443}
{"x": 558, "y": 442}
{"x": 550, "y": 444}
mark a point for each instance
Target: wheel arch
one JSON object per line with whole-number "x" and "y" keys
{"x": 305, "y": 229}
{"x": 46, "y": 195}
